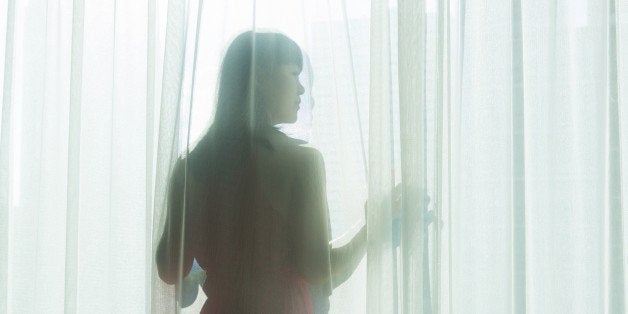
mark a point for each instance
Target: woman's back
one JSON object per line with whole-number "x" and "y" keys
{"x": 243, "y": 231}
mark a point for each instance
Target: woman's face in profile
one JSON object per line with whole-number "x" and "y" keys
{"x": 285, "y": 91}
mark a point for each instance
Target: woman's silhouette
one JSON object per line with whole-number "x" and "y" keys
{"x": 248, "y": 202}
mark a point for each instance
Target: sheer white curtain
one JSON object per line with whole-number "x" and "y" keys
{"x": 503, "y": 122}
{"x": 525, "y": 118}
{"x": 77, "y": 145}
{"x": 96, "y": 99}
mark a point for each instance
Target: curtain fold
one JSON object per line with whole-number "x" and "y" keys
{"x": 74, "y": 131}
{"x": 614, "y": 217}
{"x": 151, "y": 99}
{"x": 380, "y": 183}
{"x": 518, "y": 164}
{"x": 411, "y": 64}
{"x": 5, "y": 138}
{"x": 170, "y": 129}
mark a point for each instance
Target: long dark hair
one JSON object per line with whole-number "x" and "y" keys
{"x": 240, "y": 109}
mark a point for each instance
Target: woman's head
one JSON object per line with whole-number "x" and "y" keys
{"x": 258, "y": 84}
{"x": 258, "y": 87}
{"x": 302, "y": 128}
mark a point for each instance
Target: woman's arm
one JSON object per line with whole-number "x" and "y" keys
{"x": 345, "y": 259}
{"x": 310, "y": 236}
{"x": 171, "y": 248}
{"x": 315, "y": 259}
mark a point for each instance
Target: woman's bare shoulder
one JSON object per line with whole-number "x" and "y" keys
{"x": 309, "y": 154}
{"x": 306, "y": 159}
{"x": 178, "y": 169}
{"x": 180, "y": 173}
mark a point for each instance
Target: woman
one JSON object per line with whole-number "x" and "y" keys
{"x": 248, "y": 203}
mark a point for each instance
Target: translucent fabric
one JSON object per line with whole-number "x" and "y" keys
{"x": 502, "y": 124}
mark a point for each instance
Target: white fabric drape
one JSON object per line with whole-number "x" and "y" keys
{"x": 76, "y": 137}
{"x": 529, "y": 161}
{"x": 503, "y": 122}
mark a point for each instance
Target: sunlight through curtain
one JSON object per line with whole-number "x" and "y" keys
{"x": 502, "y": 124}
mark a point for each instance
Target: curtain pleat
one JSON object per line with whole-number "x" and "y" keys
{"x": 74, "y": 119}
{"x": 442, "y": 85}
{"x": 615, "y": 218}
{"x": 380, "y": 183}
{"x": 545, "y": 170}
{"x": 354, "y": 88}
{"x": 518, "y": 164}
{"x": 127, "y": 220}
{"x": 151, "y": 101}
{"x": 168, "y": 141}
{"x": 5, "y": 156}
{"x": 411, "y": 41}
